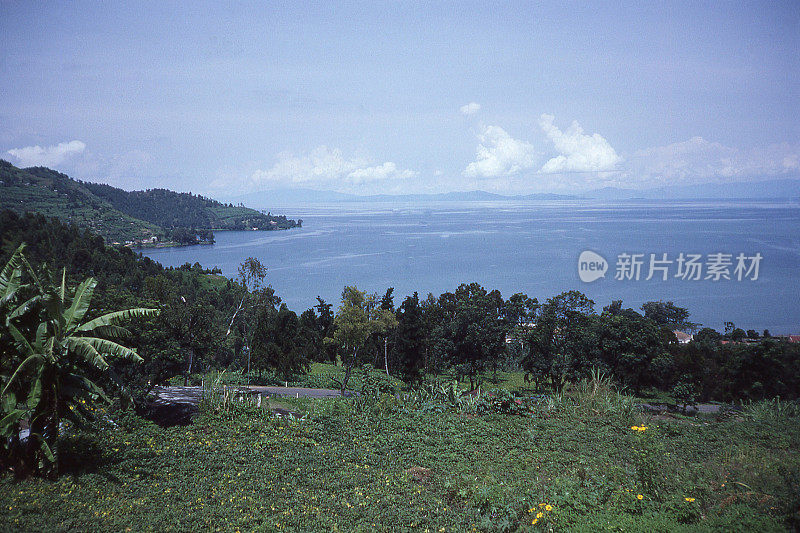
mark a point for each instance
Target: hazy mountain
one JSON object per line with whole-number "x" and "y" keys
{"x": 787, "y": 189}
{"x": 293, "y": 197}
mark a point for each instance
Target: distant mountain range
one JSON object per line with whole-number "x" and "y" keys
{"x": 283, "y": 197}
{"x": 123, "y": 216}
{"x": 784, "y": 189}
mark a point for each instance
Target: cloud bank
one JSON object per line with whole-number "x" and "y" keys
{"x": 324, "y": 166}
{"x": 699, "y": 161}
{"x": 500, "y": 155}
{"x": 470, "y": 108}
{"x": 49, "y": 156}
{"x": 578, "y": 152}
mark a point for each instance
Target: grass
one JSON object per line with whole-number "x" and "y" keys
{"x": 386, "y": 466}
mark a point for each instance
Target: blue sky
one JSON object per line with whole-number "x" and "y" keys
{"x": 401, "y": 97}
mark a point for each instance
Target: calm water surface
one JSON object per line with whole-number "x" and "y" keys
{"x": 531, "y": 248}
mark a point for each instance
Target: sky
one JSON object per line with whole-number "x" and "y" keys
{"x": 226, "y": 98}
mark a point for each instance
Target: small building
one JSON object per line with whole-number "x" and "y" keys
{"x": 683, "y": 337}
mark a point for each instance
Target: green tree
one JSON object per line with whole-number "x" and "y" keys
{"x": 409, "y": 339}
{"x": 473, "y": 330}
{"x": 668, "y": 315}
{"x": 251, "y": 276}
{"x": 275, "y": 342}
{"x": 356, "y": 320}
{"x": 561, "y": 338}
{"x": 520, "y": 316}
{"x": 58, "y": 358}
{"x": 627, "y": 343}
{"x": 707, "y": 336}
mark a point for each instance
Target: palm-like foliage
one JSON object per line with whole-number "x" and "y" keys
{"x": 57, "y": 356}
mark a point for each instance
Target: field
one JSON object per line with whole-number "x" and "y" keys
{"x": 420, "y": 462}
{"x": 98, "y": 216}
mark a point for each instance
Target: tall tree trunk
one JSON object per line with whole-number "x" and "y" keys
{"x": 248, "y": 364}
{"x": 189, "y": 367}
{"x": 386, "y": 355}
{"x": 348, "y": 370}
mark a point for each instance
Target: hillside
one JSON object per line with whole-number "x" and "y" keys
{"x": 171, "y": 209}
{"x": 53, "y": 194}
{"x": 123, "y": 216}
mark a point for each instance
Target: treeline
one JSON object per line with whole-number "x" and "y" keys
{"x": 472, "y": 331}
{"x": 207, "y": 321}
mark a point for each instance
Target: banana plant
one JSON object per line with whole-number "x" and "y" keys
{"x": 58, "y": 357}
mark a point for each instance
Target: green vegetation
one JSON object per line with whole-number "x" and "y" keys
{"x": 473, "y": 411}
{"x": 53, "y": 194}
{"x": 52, "y": 358}
{"x": 122, "y": 216}
{"x": 394, "y": 465}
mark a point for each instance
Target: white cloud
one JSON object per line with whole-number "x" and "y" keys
{"x": 327, "y": 167}
{"x": 385, "y": 171}
{"x": 698, "y": 160}
{"x": 321, "y": 164}
{"x": 470, "y": 108}
{"x": 499, "y": 154}
{"x": 49, "y": 156}
{"x": 578, "y": 152}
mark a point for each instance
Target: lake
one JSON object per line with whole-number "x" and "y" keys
{"x": 532, "y": 248}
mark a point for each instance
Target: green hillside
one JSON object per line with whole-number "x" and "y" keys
{"x": 50, "y": 193}
{"x": 123, "y": 216}
{"x": 171, "y": 209}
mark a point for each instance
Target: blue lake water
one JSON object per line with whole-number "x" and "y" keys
{"x": 531, "y": 248}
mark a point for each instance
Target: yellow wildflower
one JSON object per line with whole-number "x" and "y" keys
{"x": 548, "y": 507}
{"x": 539, "y": 515}
{"x": 534, "y": 521}
{"x": 639, "y": 497}
{"x": 690, "y": 500}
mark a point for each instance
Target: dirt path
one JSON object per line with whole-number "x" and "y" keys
{"x": 296, "y": 392}
{"x": 708, "y": 408}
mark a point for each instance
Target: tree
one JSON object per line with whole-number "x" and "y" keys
{"x": 707, "y": 336}
{"x": 385, "y": 323}
{"x": 409, "y": 339}
{"x": 738, "y": 334}
{"x": 627, "y": 343}
{"x": 685, "y": 392}
{"x": 472, "y": 333}
{"x": 355, "y": 321}
{"x": 57, "y": 359}
{"x": 560, "y": 340}
{"x": 275, "y": 342}
{"x": 519, "y": 314}
{"x": 251, "y": 276}
{"x": 668, "y": 315}
{"x": 325, "y": 327}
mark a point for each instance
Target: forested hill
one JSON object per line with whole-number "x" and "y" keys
{"x": 122, "y": 216}
{"x": 171, "y": 209}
